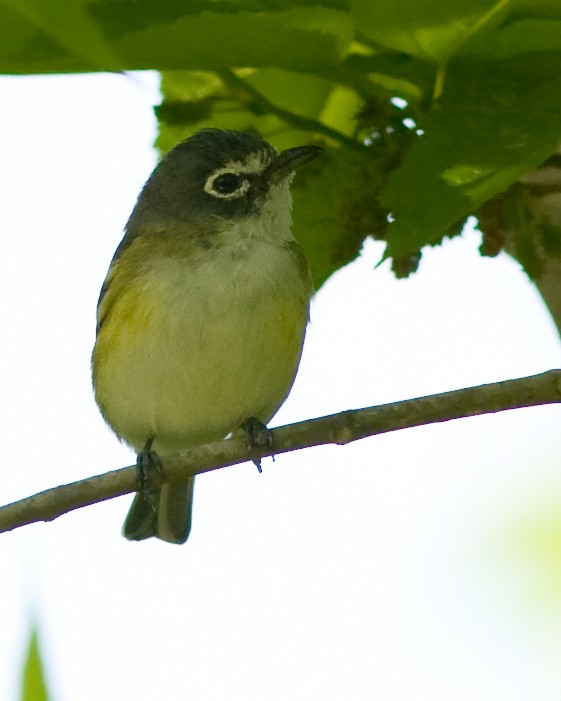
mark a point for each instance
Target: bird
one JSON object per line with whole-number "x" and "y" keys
{"x": 202, "y": 315}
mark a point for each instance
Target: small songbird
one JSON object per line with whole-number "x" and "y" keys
{"x": 202, "y": 316}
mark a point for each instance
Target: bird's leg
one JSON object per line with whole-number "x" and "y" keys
{"x": 257, "y": 435}
{"x": 149, "y": 468}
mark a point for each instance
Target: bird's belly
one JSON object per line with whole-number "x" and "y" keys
{"x": 189, "y": 373}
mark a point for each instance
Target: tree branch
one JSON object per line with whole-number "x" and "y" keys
{"x": 340, "y": 429}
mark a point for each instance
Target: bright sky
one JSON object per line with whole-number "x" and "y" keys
{"x": 423, "y": 564}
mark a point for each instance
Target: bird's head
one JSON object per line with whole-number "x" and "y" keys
{"x": 219, "y": 177}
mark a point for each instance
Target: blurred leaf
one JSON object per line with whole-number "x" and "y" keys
{"x": 341, "y": 109}
{"x": 227, "y": 111}
{"x": 480, "y": 80}
{"x": 534, "y": 8}
{"x": 389, "y": 75}
{"x": 485, "y": 132}
{"x": 285, "y": 107}
{"x": 435, "y": 30}
{"x": 297, "y": 38}
{"x": 117, "y": 19}
{"x": 297, "y": 92}
{"x": 67, "y": 24}
{"x": 33, "y": 680}
{"x": 429, "y": 29}
{"x": 530, "y": 541}
{"x": 57, "y": 36}
{"x": 335, "y": 209}
{"x": 520, "y": 37}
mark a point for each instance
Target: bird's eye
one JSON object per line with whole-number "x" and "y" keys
{"x": 227, "y": 183}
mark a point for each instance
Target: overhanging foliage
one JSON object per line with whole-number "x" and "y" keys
{"x": 479, "y": 84}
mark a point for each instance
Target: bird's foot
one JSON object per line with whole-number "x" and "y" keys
{"x": 149, "y": 467}
{"x": 257, "y": 436}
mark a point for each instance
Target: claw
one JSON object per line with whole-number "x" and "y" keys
{"x": 257, "y": 436}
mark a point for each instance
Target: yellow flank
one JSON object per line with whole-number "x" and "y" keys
{"x": 191, "y": 344}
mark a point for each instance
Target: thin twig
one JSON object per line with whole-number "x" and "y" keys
{"x": 340, "y": 428}
{"x": 236, "y": 83}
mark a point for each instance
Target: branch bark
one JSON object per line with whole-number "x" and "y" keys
{"x": 340, "y": 429}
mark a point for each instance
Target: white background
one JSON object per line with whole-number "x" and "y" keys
{"x": 423, "y": 564}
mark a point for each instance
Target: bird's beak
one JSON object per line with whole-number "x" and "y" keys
{"x": 287, "y": 161}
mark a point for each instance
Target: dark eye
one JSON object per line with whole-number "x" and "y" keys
{"x": 227, "y": 183}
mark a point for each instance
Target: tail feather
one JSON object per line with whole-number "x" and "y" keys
{"x": 170, "y": 520}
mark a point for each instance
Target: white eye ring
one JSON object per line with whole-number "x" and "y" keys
{"x": 238, "y": 192}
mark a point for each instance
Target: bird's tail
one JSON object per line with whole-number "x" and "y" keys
{"x": 165, "y": 515}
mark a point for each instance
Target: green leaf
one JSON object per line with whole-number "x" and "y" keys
{"x": 285, "y": 107}
{"x": 188, "y": 93}
{"x": 428, "y": 29}
{"x": 117, "y": 19}
{"x": 485, "y": 132}
{"x": 64, "y": 23}
{"x": 335, "y": 208}
{"x": 436, "y": 30}
{"x": 57, "y": 35}
{"x": 33, "y": 679}
{"x": 298, "y": 38}
{"x": 481, "y": 79}
{"x": 520, "y": 37}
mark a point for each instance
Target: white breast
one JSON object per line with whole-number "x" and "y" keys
{"x": 194, "y": 350}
